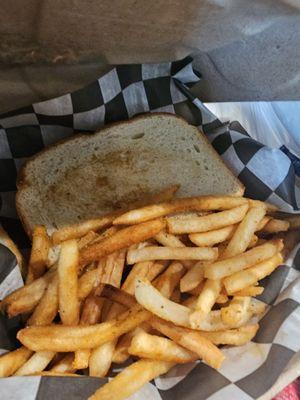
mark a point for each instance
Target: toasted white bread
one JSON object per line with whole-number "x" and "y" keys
{"x": 91, "y": 174}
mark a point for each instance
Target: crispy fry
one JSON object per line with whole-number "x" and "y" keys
{"x": 258, "y": 203}
{"x": 176, "y": 295}
{"x": 36, "y": 363}
{"x": 47, "y": 308}
{"x": 263, "y": 222}
{"x": 87, "y": 282}
{"x": 121, "y": 239}
{"x": 113, "y": 268}
{"x": 234, "y": 337}
{"x": 80, "y": 229}
{"x": 169, "y": 279}
{"x": 251, "y": 291}
{"x": 221, "y": 269}
{"x": 91, "y": 314}
{"x": 202, "y": 203}
{"x": 222, "y": 298}
{"x": 13, "y": 360}
{"x": 166, "y": 239}
{"x": 205, "y": 302}
{"x": 276, "y": 225}
{"x": 86, "y": 239}
{"x": 71, "y": 338}
{"x": 242, "y": 279}
{"x": 191, "y": 340}
{"x": 244, "y": 232}
{"x": 197, "y": 290}
{"x": 68, "y": 283}
{"x": 155, "y": 347}
{"x": 151, "y": 299}
{"x": 237, "y": 312}
{"x": 117, "y": 296}
{"x": 131, "y": 379}
{"x": 39, "y": 253}
{"x": 193, "y": 277}
{"x": 64, "y": 365}
{"x": 211, "y": 238}
{"x": 208, "y": 222}
{"x": 171, "y": 253}
{"x": 121, "y": 350}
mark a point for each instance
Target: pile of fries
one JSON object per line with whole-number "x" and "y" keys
{"x": 163, "y": 284}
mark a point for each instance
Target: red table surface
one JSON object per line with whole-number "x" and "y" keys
{"x": 291, "y": 392}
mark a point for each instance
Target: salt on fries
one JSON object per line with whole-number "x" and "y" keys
{"x": 116, "y": 289}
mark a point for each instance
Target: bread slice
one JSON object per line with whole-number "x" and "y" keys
{"x": 91, "y": 174}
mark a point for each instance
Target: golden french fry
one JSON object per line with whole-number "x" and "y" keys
{"x": 121, "y": 351}
{"x": 276, "y": 225}
{"x": 155, "y": 347}
{"x": 113, "y": 268}
{"x": 116, "y": 295}
{"x": 91, "y": 314}
{"x": 208, "y": 222}
{"x": 86, "y": 239}
{"x": 233, "y": 337}
{"x": 146, "y": 269}
{"x": 294, "y": 221}
{"x": 237, "y": 312}
{"x": 51, "y": 373}
{"x": 222, "y": 298}
{"x": 71, "y": 338}
{"x": 171, "y": 253}
{"x": 166, "y": 239}
{"x": 205, "y": 302}
{"x": 46, "y": 310}
{"x": 80, "y": 229}
{"x": 120, "y": 240}
{"x": 64, "y": 365}
{"x": 221, "y": 269}
{"x": 176, "y": 296}
{"x": 251, "y": 291}
{"x": 242, "y": 279}
{"x": 193, "y": 277}
{"x": 68, "y": 283}
{"x": 87, "y": 282}
{"x": 39, "y": 253}
{"x": 263, "y": 222}
{"x": 191, "y": 340}
{"x": 151, "y": 299}
{"x": 211, "y": 238}
{"x": 36, "y": 363}
{"x": 244, "y": 232}
{"x": 131, "y": 379}
{"x": 197, "y": 290}
{"x": 258, "y": 203}
{"x": 13, "y": 360}
{"x": 202, "y": 203}
{"x": 169, "y": 279}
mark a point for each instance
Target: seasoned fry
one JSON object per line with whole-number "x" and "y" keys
{"x": 113, "y": 268}
{"x": 168, "y": 280}
{"x": 263, "y": 222}
{"x": 117, "y": 296}
{"x": 202, "y": 203}
{"x": 208, "y": 222}
{"x": 36, "y": 363}
{"x": 221, "y": 269}
{"x": 91, "y": 314}
{"x": 276, "y": 225}
{"x": 168, "y": 240}
{"x": 251, "y": 291}
{"x": 258, "y": 203}
{"x": 193, "y": 277}
{"x": 68, "y": 283}
{"x": 222, "y": 298}
{"x": 237, "y": 313}
{"x": 244, "y": 232}
{"x": 197, "y": 290}
{"x": 155, "y": 347}
{"x": 87, "y": 282}
{"x": 191, "y": 340}
{"x": 121, "y": 350}
{"x": 151, "y": 299}
{"x": 234, "y": 337}
{"x": 13, "y": 360}
{"x": 39, "y": 253}
{"x": 47, "y": 308}
{"x": 80, "y": 229}
{"x": 121, "y": 239}
{"x": 171, "y": 253}
{"x": 211, "y": 238}
{"x": 205, "y": 302}
{"x": 86, "y": 239}
{"x": 71, "y": 338}
{"x": 64, "y": 365}
{"x": 131, "y": 379}
{"x": 242, "y": 279}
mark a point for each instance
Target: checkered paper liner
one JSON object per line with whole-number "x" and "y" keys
{"x": 268, "y": 174}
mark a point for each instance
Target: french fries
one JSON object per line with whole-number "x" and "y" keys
{"x": 121, "y": 239}
{"x": 68, "y": 283}
{"x": 174, "y": 283}
{"x": 144, "y": 345}
{"x": 171, "y": 253}
{"x": 39, "y": 253}
{"x": 223, "y": 268}
{"x": 208, "y": 222}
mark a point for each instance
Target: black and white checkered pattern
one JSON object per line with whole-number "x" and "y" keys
{"x": 249, "y": 371}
